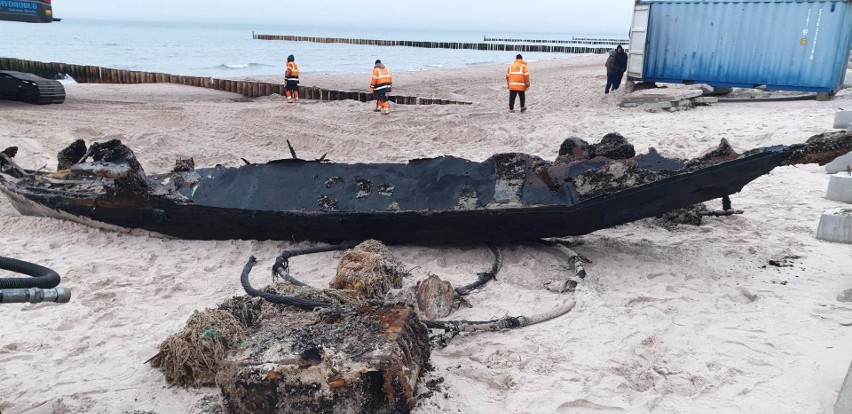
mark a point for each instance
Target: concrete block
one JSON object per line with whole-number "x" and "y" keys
{"x": 662, "y": 95}
{"x": 836, "y": 225}
{"x": 705, "y": 100}
{"x": 839, "y": 164}
{"x": 844, "y": 399}
{"x": 705, "y": 88}
{"x": 657, "y": 106}
{"x": 842, "y": 119}
{"x": 840, "y": 188}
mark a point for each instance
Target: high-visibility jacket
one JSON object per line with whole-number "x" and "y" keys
{"x": 292, "y": 72}
{"x": 382, "y": 80}
{"x": 517, "y": 76}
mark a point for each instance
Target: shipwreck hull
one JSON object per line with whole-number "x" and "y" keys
{"x": 226, "y": 203}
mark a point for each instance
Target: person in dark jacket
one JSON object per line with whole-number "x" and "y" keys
{"x": 616, "y": 65}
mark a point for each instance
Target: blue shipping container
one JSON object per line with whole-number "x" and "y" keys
{"x": 787, "y": 45}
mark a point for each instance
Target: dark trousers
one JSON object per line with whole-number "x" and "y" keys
{"x": 613, "y": 80}
{"x": 381, "y": 95}
{"x": 513, "y": 94}
{"x": 292, "y": 85}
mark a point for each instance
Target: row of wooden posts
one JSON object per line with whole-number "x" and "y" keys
{"x": 573, "y": 41}
{"x": 602, "y": 39}
{"x": 252, "y": 89}
{"x": 500, "y": 47}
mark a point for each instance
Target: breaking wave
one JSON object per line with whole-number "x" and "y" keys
{"x": 240, "y": 66}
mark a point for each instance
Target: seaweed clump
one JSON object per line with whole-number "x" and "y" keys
{"x": 370, "y": 270}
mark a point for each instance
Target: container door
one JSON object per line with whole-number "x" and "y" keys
{"x": 638, "y": 34}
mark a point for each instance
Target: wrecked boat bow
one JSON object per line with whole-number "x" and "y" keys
{"x": 508, "y": 197}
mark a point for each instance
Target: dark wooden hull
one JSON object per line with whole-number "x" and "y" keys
{"x": 225, "y": 219}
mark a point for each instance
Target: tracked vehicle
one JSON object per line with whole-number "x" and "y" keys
{"x": 29, "y": 88}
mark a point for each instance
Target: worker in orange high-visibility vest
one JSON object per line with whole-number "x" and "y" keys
{"x": 291, "y": 77}
{"x": 518, "y": 80}
{"x": 380, "y": 86}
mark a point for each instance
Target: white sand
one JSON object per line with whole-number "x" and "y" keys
{"x": 680, "y": 321}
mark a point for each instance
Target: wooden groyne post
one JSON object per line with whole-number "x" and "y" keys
{"x": 500, "y": 47}
{"x": 252, "y": 89}
{"x": 588, "y": 41}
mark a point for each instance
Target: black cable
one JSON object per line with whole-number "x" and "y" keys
{"x": 770, "y": 99}
{"x": 281, "y": 268}
{"x": 306, "y": 304}
{"x": 484, "y": 277}
{"x": 42, "y": 277}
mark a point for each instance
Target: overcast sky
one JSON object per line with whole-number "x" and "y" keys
{"x": 563, "y": 16}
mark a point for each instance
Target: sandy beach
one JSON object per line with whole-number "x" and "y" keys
{"x": 669, "y": 321}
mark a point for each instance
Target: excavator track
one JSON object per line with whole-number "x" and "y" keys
{"x": 29, "y": 88}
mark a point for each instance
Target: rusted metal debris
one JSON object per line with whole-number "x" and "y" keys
{"x": 508, "y": 197}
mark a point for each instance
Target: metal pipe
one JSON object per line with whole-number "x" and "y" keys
{"x": 35, "y": 295}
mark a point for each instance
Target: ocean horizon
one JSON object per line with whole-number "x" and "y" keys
{"x": 228, "y": 50}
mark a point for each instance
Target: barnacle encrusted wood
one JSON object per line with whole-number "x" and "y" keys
{"x": 267, "y": 358}
{"x": 341, "y": 360}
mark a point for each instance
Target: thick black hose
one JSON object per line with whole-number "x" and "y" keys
{"x": 42, "y": 277}
{"x": 281, "y": 268}
{"x": 306, "y": 304}
{"x": 484, "y": 277}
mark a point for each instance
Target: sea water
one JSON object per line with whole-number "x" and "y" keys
{"x": 228, "y": 50}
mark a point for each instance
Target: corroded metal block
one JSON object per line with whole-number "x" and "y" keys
{"x": 362, "y": 360}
